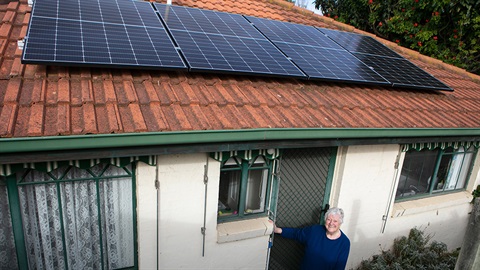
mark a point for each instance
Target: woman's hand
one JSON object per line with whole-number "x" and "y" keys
{"x": 275, "y": 228}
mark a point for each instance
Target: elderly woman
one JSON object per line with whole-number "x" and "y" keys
{"x": 326, "y": 246}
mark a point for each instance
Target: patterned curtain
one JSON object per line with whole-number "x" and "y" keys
{"x": 79, "y": 224}
{"x": 8, "y": 256}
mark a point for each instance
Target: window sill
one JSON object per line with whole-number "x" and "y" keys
{"x": 412, "y": 207}
{"x": 243, "y": 229}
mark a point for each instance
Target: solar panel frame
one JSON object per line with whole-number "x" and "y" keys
{"x": 223, "y": 42}
{"x": 58, "y": 34}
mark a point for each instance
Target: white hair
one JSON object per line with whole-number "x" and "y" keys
{"x": 335, "y": 211}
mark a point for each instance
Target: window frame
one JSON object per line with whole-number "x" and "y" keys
{"x": 13, "y": 184}
{"x": 245, "y": 166}
{"x": 442, "y": 152}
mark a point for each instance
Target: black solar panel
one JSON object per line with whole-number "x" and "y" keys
{"x": 218, "y": 41}
{"x": 359, "y": 43}
{"x": 317, "y": 55}
{"x": 278, "y": 31}
{"x": 401, "y": 72}
{"x": 390, "y": 65}
{"x": 114, "y": 33}
{"x": 328, "y": 64}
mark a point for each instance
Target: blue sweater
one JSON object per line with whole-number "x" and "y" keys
{"x": 320, "y": 252}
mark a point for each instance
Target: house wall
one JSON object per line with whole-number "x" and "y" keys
{"x": 181, "y": 216}
{"x": 364, "y": 183}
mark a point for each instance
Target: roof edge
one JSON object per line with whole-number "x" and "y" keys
{"x": 58, "y": 143}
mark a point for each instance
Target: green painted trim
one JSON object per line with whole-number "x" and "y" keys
{"x": 53, "y": 143}
{"x": 328, "y": 186}
{"x": 275, "y": 179}
{"x": 331, "y": 171}
{"x": 17, "y": 224}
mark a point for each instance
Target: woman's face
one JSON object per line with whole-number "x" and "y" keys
{"x": 333, "y": 223}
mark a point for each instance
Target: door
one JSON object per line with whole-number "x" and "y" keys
{"x": 305, "y": 181}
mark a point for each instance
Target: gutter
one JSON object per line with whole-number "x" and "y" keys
{"x": 144, "y": 139}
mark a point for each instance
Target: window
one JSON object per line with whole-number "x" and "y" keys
{"x": 428, "y": 172}
{"x": 69, "y": 218}
{"x": 243, "y": 187}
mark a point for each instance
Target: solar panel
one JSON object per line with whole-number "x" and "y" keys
{"x": 317, "y": 55}
{"x": 328, "y": 64}
{"x": 390, "y": 65}
{"x": 359, "y": 43}
{"x": 401, "y": 72}
{"x": 218, "y": 41}
{"x": 87, "y": 32}
{"x": 278, "y": 31}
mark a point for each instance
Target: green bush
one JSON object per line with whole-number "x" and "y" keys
{"x": 413, "y": 253}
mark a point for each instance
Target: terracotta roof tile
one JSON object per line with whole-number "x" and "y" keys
{"x": 5, "y": 30}
{"x": 176, "y": 118}
{"x": 113, "y": 123}
{"x": 89, "y": 119}
{"x": 12, "y": 93}
{"x": 35, "y": 126}
{"x": 153, "y": 117}
{"x": 7, "y": 118}
{"x": 196, "y": 117}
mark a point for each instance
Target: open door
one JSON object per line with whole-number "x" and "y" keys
{"x": 304, "y": 190}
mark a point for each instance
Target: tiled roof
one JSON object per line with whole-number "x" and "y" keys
{"x": 38, "y": 100}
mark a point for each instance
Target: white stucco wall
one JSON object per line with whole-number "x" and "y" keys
{"x": 363, "y": 183}
{"x": 364, "y": 180}
{"x": 181, "y": 217}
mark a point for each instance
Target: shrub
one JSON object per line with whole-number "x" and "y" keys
{"x": 413, "y": 253}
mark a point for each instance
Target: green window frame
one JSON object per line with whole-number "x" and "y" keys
{"x": 245, "y": 183}
{"x": 430, "y": 171}
{"x": 96, "y": 178}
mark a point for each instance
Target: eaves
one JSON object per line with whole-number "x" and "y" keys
{"x": 34, "y": 149}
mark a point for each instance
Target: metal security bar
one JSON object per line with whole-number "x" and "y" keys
{"x": 302, "y": 194}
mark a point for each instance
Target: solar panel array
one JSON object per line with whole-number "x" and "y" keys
{"x": 140, "y": 34}
{"x": 90, "y": 32}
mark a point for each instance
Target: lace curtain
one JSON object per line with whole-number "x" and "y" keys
{"x": 79, "y": 224}
{"x": 8, "y": 256}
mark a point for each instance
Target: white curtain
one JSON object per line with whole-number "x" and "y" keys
{"x": 95, "y": 221}
{"x": 8, "y": 256}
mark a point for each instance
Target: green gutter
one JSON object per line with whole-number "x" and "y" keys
{"x": 53, "y": 143}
